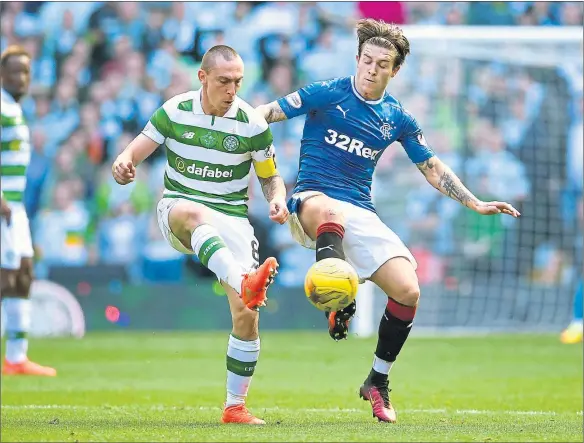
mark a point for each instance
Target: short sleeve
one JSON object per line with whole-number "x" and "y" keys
{"x": 413, "y": 141}
{"x": 158, "y": 127}
{"x": 312, "y": 96}
{"x": 263, "y": 138}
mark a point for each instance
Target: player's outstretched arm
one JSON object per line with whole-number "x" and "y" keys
{"x": 272, "y": 112}
{"x": 124, "y": 168}
{"x": 442, "y": 178}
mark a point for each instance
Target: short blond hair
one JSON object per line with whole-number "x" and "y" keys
{"x": 13, "y": 51}
{"x": 208, "y": 61}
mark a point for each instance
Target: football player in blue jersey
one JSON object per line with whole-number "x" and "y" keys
{"x": 349, "y": 123}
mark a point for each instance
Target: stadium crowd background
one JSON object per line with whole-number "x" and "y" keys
{"x": 101, "y": 69}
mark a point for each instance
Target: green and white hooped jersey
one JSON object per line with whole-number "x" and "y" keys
{"x": 209, "y": 158}
{"x": 15, "y": 153}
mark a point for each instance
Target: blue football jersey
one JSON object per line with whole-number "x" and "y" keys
{"x": 345, "y": 135}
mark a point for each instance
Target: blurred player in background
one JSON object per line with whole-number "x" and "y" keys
{"x": 212, "y": 137}
{"x": 574, "y": 333}
{"x": 16, "y": 243}
{"x": 350, "y": 122}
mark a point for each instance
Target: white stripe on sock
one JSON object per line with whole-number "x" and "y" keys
{"x": 381, "y": 366}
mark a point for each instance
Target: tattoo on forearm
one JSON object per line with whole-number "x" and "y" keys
{"x": 274, "y": 113}
{"x": 454, "y": 189}
{"x": 426, "y": 166}
{"x": 442, "y": 178}
{"x": 271, "y": 186}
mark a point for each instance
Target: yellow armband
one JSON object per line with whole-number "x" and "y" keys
{"x": 265, "y": 169}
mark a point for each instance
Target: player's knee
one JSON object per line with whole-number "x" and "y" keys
{"x": 23, "y": 283}
{"x": 192, "y": 218}
{"x": 8, "y": 282}
{"x": 407, "y": 294}
{"x": 245, "y": 323}
{"x": 330, "y": 213}
{"x": 184, "y": 219}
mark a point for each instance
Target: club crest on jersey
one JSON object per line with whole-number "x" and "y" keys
{"x": 386, "y": 129}
{"x": 180, "y": 165}
{"x": 294, "y": 100}
{"x": 209, "y": 140}
{"x": 231, "y": 143}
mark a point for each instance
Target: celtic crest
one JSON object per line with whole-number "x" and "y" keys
{"x": 231, "y": 143}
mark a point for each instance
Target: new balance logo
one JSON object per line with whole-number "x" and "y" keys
{"x": 344, "y": 112}
{"x": 188, "y": 135}
{"x": 325, "y": 247}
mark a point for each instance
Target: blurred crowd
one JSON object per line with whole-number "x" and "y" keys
{"x": 100, "y": 69}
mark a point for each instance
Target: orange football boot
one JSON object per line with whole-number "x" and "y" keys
{"x": 240, "y": 414}
{"x": 27, "y": 367}
{"x": 256, "y": 283}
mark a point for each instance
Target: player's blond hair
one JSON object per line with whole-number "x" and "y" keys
{"x": 13, "y": 51}
{"x": 384, "y": 35}
{"x": 208, "y": 61}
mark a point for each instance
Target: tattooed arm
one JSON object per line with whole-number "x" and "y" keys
{"x": 273, "y": 187}
{"x": 272, "y": 112}
{"x": 442, "y": 178}
{"x": 274, "y": 190}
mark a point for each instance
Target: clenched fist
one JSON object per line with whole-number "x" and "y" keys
{"x": 278, "y": 211}
{"x": 124, "y": 171}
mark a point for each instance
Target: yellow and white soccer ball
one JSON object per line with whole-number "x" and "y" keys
{"x": 331, "y": 284}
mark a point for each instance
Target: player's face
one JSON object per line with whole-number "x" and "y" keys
{"x": 221, "y": 83}
{"x": 16, "y": 75}
{"x": 374, "y": 70}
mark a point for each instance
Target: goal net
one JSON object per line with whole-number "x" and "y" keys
{"x": 503, "y": 108}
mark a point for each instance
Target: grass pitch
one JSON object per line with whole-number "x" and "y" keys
{"x": 158, "y": 386}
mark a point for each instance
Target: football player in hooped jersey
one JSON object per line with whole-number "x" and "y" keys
{"x": 349, "y": 123}
{"x": 16, "y": 253}
{"x": 212, "y": 138}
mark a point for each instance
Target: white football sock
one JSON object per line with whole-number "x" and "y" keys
{"x": 17, "y": 310}
{"x": 242, "y": 357}
{"x": 216, "y": 256}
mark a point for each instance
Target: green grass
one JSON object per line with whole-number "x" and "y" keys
{"x": 171, "y": 386}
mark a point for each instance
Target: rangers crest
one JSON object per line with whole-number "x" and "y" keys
{"x": 386, "y": 129}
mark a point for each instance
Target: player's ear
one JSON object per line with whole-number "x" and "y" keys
{"x": 395, "y": 71}
{"x": 202, "y": 76}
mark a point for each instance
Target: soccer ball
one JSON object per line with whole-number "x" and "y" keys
{"x": 331, "y": 284}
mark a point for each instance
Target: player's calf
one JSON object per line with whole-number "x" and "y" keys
{"x": 398, "y": 280}
{"x": 324, "y": 221}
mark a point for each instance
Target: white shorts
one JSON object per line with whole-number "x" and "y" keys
{"x": 16, "y": 241}
{"x": 368, "y": 242}
{"x": 237, "y": 233}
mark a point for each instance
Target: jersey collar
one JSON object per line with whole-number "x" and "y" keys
{"x": 360, "y": 97}
{"x": 198, "y": 107}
